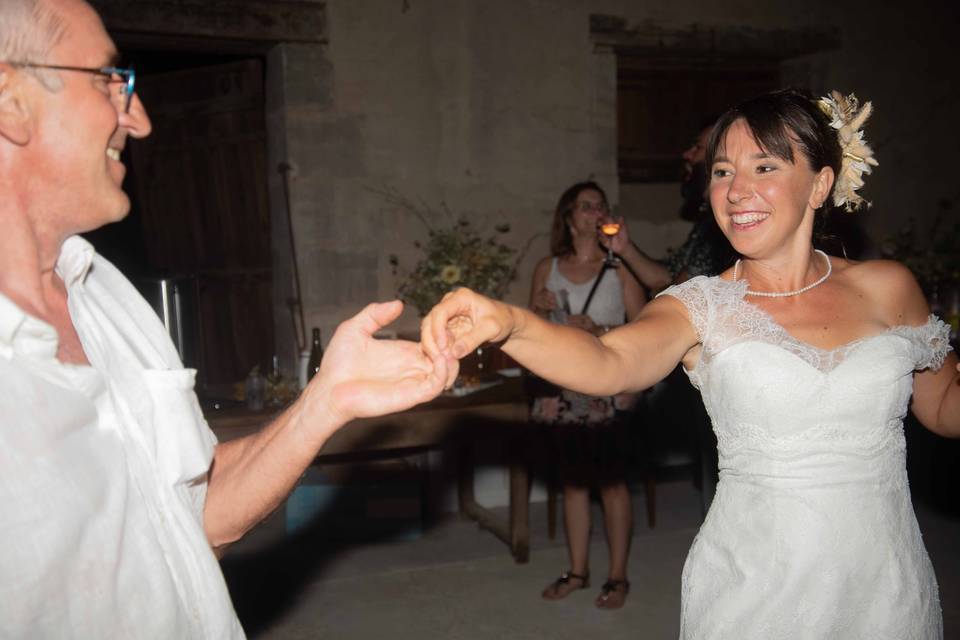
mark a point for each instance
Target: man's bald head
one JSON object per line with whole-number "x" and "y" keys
{"x": 29, "y": 29}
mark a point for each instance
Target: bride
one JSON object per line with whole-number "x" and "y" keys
{"x": 806, "y": 363}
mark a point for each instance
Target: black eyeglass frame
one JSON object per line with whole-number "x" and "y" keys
{"x": 127, "y": 75}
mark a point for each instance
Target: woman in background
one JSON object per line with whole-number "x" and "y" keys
{"x": 577, "y": 287}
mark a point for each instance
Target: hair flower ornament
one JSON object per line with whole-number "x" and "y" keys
{"x": 848, "y": 117}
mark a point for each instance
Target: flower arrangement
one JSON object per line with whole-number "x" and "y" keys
{"x": 455, "y": 255}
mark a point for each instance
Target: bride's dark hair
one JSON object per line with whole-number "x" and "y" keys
{"x": 775, "y": 120}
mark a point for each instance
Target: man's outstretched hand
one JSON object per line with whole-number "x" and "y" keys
{"x": 361, "y": 376}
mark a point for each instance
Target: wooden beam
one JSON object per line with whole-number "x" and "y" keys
{"x": 250, "y": 20}
{"x": 709, "y": 42}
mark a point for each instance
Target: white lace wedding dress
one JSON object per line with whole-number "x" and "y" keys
{"x": 811, "y": 533}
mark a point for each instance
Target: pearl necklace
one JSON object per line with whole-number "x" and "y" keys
{"x": 787, "y": 294}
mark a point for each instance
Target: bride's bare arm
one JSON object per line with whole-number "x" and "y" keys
{"x": 936, "y": 394}
{"x": 936, "y": 398}
{"x": 629, "y": 358}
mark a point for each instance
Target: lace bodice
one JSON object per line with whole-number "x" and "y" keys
{"x": 812, "y": 520}
{"x": 722, "y": 317}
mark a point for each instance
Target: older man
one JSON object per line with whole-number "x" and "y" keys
{"x": 115, "y": 494}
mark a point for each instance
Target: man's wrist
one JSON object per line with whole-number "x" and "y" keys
{"x": 315, "y": 415}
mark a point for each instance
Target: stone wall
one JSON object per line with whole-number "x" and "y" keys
{"x": 473, "y": 107}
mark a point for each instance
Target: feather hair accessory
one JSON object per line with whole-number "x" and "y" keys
{"x": 848, "y": 117}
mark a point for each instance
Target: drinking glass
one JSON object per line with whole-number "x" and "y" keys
{"x": 610, "y": 227}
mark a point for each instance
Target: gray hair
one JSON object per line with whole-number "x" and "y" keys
{"x": 29, "y": 29}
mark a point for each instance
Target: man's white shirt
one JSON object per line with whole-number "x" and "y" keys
{"x": 103, "y": 473}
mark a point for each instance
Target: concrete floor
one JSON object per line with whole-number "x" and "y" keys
{"x": 458, "y": 582}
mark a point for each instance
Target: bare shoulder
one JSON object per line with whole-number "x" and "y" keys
{"x": 542, "y": 270}
{"x": 543, "y": 265}
{"x": 889, "y": 287}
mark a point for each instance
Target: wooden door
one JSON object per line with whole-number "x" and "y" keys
{"x": 201, "y": 183}
{"x": 662, "y": 103}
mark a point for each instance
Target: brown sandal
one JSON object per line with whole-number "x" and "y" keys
{"x": 613, "y": 594}
{"x": 561, "y": 587}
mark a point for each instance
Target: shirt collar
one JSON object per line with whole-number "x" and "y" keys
{"x": 76, "y": 256}
{"x": 25, "y": 334}
{"x": 22, "y": 333}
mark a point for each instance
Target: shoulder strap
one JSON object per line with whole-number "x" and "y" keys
{"x": 593, "y": 289}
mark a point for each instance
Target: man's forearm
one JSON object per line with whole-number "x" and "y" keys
{"x": 360, "y": 377}
{"x": 251, "y": 476}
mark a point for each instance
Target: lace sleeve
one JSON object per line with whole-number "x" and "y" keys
{"x": 931, "y": 343}
{"x": 693, "y": 296}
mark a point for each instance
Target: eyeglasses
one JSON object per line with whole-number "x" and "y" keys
{"x": 586, "y": 206}
{"x": 127, "y": 76}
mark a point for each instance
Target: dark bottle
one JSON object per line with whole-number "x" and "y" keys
{"x": 316, "y": 355}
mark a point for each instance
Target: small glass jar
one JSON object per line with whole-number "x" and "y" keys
{"x": 255, "y": 390}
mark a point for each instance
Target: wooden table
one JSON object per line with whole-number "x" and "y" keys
{"x": 496, "y": 412}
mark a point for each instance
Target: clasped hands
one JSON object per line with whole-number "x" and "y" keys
{"x": 361, "y": 376}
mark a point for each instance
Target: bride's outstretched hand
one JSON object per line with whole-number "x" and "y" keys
{"x": 461, "y": 322}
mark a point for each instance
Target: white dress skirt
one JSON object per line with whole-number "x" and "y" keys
{"x": 812, "y": 532}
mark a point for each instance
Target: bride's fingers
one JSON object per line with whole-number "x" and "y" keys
{"x": 434, "y": 333}
{"x": 428, "y": 342}
{"x": 453, "y": 370}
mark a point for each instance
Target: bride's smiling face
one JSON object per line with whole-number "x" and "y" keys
{"x": 761, "y": 201}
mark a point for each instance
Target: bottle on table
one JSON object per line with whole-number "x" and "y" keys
{"x": 316, "y": 355}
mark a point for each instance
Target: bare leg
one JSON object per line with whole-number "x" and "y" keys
{"x": 576, "y": 523}
{"x": 618, "y": 519}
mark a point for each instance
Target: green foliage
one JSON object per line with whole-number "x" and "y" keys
{"x": 458, "y": 256}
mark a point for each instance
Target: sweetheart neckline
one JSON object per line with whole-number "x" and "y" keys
{"x": 821, "y": 350}
{"x": 852, "y": 347}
